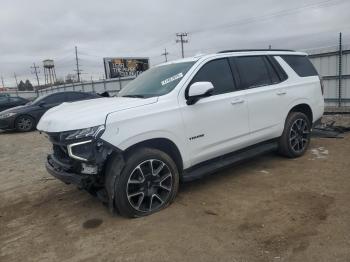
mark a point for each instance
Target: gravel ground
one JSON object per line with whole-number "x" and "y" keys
{"x": 267, "y": 209}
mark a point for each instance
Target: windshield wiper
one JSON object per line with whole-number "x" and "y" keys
{"x": 135, "y": 96}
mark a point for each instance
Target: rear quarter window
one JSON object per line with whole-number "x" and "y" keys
{"x": 301, "y": 65}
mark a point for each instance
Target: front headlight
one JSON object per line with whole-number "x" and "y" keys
{"x": 90, "y": 132}
{"x": 7, "y": 115}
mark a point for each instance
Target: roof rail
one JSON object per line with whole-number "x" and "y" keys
{"x": 251, "y": 50}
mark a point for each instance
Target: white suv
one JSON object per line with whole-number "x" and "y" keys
{"x": 181, "y": 120}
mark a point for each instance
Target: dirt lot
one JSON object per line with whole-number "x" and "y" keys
{"x": 268, "y": 209}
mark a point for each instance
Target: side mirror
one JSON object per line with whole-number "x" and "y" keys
{"x": 199, "y": 90}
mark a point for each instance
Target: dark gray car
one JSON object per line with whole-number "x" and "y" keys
{"x": 7, "y": 102}
{"x": 24, "y": 118}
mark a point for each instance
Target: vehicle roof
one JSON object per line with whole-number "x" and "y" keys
{"x": 242, "y": 52}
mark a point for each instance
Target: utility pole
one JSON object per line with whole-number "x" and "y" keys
{"x": 2, "y": 81}
{"x": 77, "y": 63}
{"x": 14, "y": 74}
{"x": 340, "y": 73}
{"x": 165, "y": 54}
{"x": 36, "y": 72}
{"x": 182, "y": 40}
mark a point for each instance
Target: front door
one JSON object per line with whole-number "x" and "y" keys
{"x": 218, "y": 124}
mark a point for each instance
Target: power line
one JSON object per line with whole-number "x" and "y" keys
{"x": 165, "y": 54}
{"x": 282, "y": 12}
{"x": 249, "y": 20}
{"x": 182, "y": 40}
{"x": 36, "y": 72}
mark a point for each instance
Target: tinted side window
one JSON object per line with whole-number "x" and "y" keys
{"x": 16, "y": 99}
{"x": 76, "y": 96}
{"x": 301, "y": 65}
{"x": 217, "y": 72}
{"x": 55, "y": 98}
{"x": 4, "y": 99}
{"x": 253, "y": 71}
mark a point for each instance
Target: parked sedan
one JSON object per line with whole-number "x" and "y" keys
{"x": 7, "y": 102}
{"x": 24, "y": 118}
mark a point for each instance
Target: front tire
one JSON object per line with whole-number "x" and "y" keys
{"x": 148, "y": 183}
{"x": 295, "y": 138}
{"x": 24, "y": 123}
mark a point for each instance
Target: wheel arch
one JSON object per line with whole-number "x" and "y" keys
{"x": 303, "y": 108}
{"x": 163, "y": 144}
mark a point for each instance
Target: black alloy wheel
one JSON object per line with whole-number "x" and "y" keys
{"x": 299, "y": 135}
{"x": 295, "y": 138}
{"x": 147, "y": 182}
{"x": 149, "y": 185}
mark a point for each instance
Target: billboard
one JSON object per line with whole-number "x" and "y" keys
{"x": 117, "y": 67}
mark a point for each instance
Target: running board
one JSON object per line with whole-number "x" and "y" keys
{"x": 212, "y": 166}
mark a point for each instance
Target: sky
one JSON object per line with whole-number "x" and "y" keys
{"x": 31, "y": 31}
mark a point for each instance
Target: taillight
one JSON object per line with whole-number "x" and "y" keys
{"x": 321, "y": 83}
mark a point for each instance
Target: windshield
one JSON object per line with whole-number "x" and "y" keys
{"x": 37, "y": 100}
{"x": 156, "y": 81}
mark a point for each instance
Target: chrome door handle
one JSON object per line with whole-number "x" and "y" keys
{"x": 237, "y": 101}
{"x": 281, "y": 93}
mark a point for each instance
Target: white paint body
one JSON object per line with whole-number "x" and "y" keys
{"x": 228, "y": 122}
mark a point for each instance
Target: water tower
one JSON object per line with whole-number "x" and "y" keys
{"x": 49, "y": 71}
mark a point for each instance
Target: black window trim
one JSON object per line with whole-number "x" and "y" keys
{"x": 235, "y": 87}
{"x": 283, "y": 76}
{"x": 271, "y": 69}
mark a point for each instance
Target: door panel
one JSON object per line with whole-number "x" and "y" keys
{"x": 266, "y": 106}
{"x": 216, "y": 125}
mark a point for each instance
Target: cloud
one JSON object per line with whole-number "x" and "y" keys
{"x": 32, "y": 31}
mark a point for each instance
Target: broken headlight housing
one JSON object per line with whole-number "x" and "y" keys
{"x": 90, "y": 132}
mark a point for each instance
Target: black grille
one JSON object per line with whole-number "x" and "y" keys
{"x": 60, "y": 152}
{"x": 55, "y": 138}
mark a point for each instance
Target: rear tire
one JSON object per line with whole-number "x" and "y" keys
{"x": 295, "y": 138}
{"x": 24, "y": 123}
{"x": 148, "y": 183}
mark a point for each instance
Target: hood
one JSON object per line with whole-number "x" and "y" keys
{"x": 18, "y": 109}
{"x": 87, "y": 113}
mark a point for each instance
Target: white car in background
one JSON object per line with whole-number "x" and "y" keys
{"x": 181, "y": 120}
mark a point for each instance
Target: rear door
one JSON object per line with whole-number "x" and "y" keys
{"x": 215, "y": 125}
{"x": 265, "y": 94}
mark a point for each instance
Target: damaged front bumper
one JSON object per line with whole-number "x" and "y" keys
{"x": 80, "y": 162}
{"x": 56, "y": 170}
{"x": 84, "y": 163}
